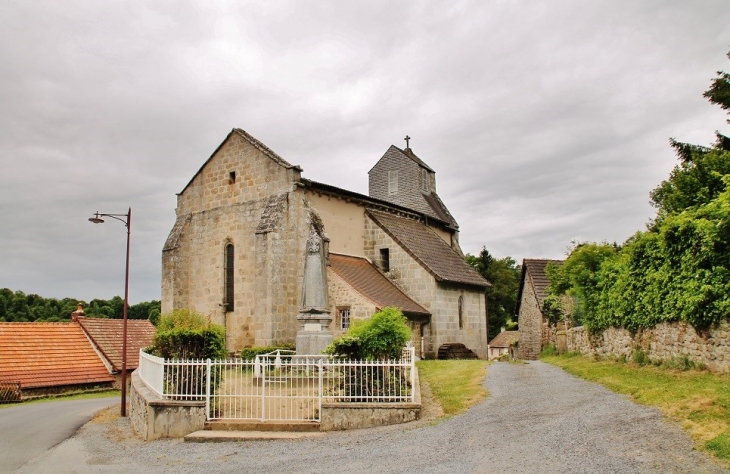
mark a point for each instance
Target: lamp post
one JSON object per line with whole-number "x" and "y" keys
{"x": 126, "y": 219}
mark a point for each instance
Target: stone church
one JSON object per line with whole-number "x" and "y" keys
{"x": 250, "y": 231}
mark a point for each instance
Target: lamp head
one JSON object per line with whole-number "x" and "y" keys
{"x": 96, "y": 219}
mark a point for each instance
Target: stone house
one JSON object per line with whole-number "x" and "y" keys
{"x": 503, "y": 343}
{"x": 248, "y": 221}
{"x": 533, "y": 326}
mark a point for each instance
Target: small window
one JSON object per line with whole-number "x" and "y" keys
{"x": 231, "y": 177}
{"x": 393, "y": 182}
{"x": 228, "y": 278}
{"x": 344, "y": 318}
{"x": 461, "y": 312}
{"x": 385, "y": 260}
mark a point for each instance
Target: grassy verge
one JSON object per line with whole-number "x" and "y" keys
{"x": 456, "y": 384}
{"x": 67, "y": 396}
{"x": 699, "y": 400}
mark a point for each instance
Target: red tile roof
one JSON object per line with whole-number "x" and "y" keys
{"x": 373, "y": 285}
{"x": 49, "y": 354}
{"x": 106, "y": 334}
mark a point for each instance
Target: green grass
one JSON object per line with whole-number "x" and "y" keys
{"x": 698, "y": 400}
{"x": 456, "y": 384}
{"x": 67, "y": 396}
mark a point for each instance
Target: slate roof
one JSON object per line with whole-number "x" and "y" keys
{"x": 106, "y": 334}
{"x": 49, "y": 354}
{"x": 432, "y": 204}
{"x": 505, "y": 339}
{"x": 428, "y": 249}
{"x": 367, "y": 280}
{"x": 535, "y": 267}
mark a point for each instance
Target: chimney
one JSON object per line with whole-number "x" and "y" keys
{"x": 501, "y": 329}
{"x": 79, "y": 313}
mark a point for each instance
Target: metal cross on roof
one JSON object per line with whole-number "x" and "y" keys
{"x": 407, "y": 139}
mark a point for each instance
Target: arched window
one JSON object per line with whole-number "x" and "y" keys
{"x": 461, "y": 312}
{"x": 228, "y": 278}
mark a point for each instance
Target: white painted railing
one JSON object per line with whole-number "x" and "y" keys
{"x": 280, "y": 385}
{"x": 151, "y": 370}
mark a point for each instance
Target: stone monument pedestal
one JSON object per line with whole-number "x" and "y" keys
{"x": 314, "y": 334}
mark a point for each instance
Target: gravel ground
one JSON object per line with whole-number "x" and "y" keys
{"x": 536, "y": 419}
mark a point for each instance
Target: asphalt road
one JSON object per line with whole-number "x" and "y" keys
{"x": 27, "y": 431}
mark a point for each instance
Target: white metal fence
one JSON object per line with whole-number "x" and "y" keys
{"x": 280, "y": 385}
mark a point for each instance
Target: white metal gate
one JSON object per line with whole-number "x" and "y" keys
{"x": 270, "y": 388}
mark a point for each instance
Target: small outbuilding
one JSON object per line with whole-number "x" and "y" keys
{"x": 504, "y": 343}
{"x": 531, "y": 294}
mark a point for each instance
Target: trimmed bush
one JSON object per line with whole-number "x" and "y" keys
{"x": 382, "y": 336}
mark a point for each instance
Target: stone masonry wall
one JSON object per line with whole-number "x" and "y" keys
{"x": 664, "y": 341}
{"x": 341, "y": 294}
{"x": 530, "y": 322}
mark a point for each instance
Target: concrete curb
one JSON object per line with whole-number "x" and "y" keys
{"x": 213, "y": 436}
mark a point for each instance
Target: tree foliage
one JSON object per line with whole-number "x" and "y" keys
{"x": 380, "y": 337}
{"x": 679, "y": 268}
{"x": 504, "y": 275}
{"x": 20, "y": 307}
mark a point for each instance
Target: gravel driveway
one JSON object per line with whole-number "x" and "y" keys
{"x": 536, "y": 419}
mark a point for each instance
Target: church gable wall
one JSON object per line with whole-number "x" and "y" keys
{"x": 257, "y": 176}
{"x": 261, "y": 213}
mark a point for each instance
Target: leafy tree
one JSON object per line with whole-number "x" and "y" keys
{"x": 504, "y": 275}
{"x": 17, "y": 306}
{"x": 679, "y": 268}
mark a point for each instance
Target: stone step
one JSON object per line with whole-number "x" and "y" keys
{"x": 219, "y": 436}
{"x": 263, "y": 426}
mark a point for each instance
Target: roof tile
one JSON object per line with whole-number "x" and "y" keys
{"x": 372, "y": 284}
{"x": 107, "y": 335}
{"x": 48, "y": 354}
{"x": 429, "y": 249}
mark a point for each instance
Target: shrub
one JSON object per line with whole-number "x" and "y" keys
{"x": 640, "y": 357}
{"x": 185, "y": 334}
{"x": 181, "y": 319}
{"x": 382, "y": 336}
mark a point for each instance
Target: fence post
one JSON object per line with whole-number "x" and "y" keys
{"x": 413, "y": 375}
{"x": 207, "y": 389}
{"x": 321, "y": 392}
{"x": 263, "y": 388}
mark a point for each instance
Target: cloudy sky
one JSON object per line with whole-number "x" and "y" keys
{"x": 546, "y": 122}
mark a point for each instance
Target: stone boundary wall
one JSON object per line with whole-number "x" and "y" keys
{"x": 153, "y": 418}
{"x": 351, "y": 416}
{"x": 664, "y": 341}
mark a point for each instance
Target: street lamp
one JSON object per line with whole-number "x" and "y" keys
{"x": 127, "y": 221}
